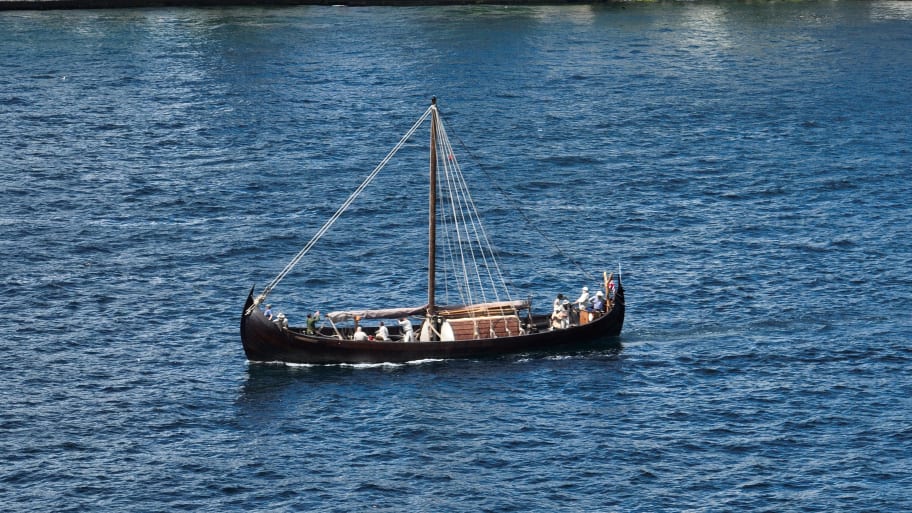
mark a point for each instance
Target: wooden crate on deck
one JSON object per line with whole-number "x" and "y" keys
{"x": 480, "y": 327}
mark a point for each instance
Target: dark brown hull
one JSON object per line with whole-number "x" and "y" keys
{"x": 264, "y": 341}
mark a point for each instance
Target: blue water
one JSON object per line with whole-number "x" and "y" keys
{"x": 748, "y": 165}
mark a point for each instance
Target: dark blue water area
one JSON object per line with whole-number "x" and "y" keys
{"x": 747, "y": 165}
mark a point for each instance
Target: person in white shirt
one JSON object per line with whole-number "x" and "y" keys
{"x": 580, "y": 307}
{"x": 382, "y": 333}
{"x": 359, "y": 334}
{"x": 583, "y": 300}
{"x": 408, "y": 335}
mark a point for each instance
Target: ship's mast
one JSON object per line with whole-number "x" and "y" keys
{"x": 432, "y": 214}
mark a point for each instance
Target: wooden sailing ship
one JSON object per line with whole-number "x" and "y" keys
{"x": 479, "y": 324}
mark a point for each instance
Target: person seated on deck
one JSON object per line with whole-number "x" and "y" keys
{"x": 382, "y": 333}
{"x": 359, "y": 334}
{"x": 555, "y": 319}
{"x": 408, "y": 334}
{"x": 281, "y": 321}
{"x": 559, "y": 317}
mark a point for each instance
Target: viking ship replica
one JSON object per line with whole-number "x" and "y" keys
{"x": 484, "y": 320}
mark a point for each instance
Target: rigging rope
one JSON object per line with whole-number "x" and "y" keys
{"x": 471, "y": 237}
{"x": 326, "y": 226}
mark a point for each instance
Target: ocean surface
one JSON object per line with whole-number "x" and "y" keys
{"x": 747, "y": 165}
